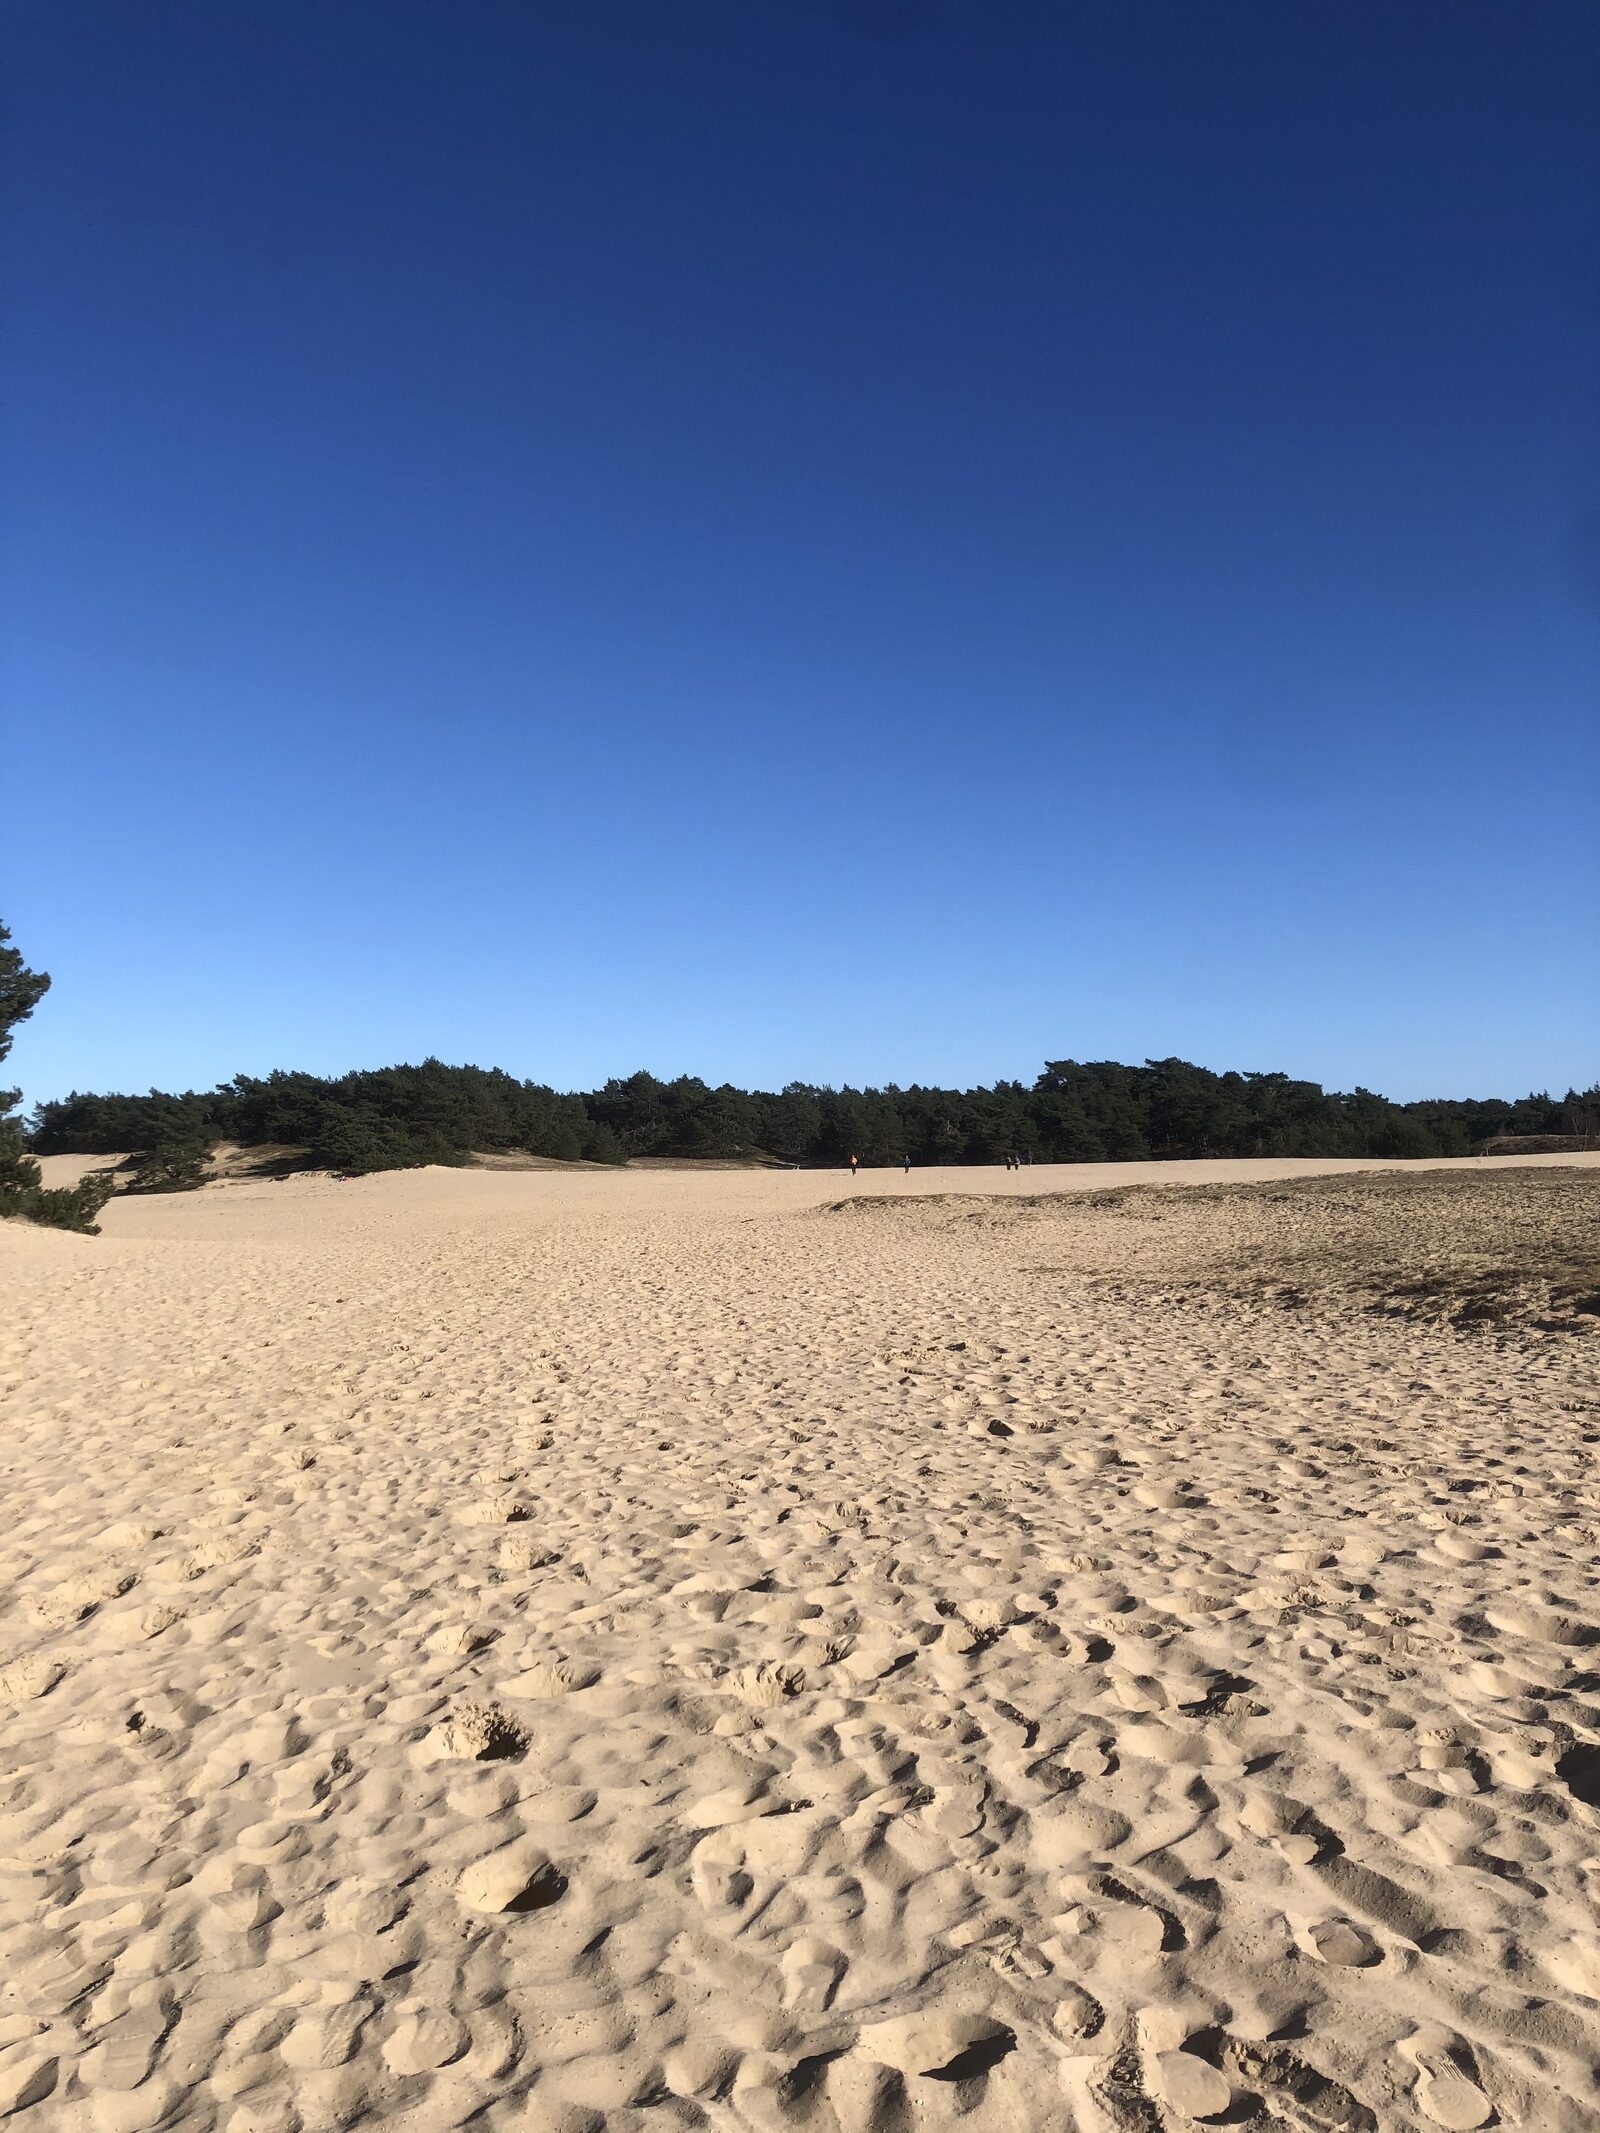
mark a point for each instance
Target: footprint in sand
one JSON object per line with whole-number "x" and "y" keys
{"x": 1444, "y": 2094}
{"x": 34, "y": 1675}
{"x": 1191, "y": 2085}
{"x": 424, "y": 2041}
{"x": 811, "y": 1969}
{"x": 504, "y": 1508}
{"x": 551, "y": 1677}
{"x": 526, "y": 1550}
{"x": 1344, "y": 1945}
{"x": 921, "y": 2044}
{"x": 764, "y": 1687}
{"x": 454, "y": 1640}
{"x": 478, "y": 1732}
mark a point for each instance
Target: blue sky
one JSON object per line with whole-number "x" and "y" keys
{"x": 849, "y": 541}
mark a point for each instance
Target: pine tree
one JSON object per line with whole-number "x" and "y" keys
{"x": 176, "y": 1163}
{"x": 21, "y": 1192}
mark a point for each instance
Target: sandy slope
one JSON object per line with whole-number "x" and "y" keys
{"x": 669, "y": 1650}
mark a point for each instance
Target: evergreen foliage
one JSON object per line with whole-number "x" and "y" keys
{"x": 21, "y": 1192}
{"x": 1100, "y": 1111}
{"x": 174, "y": 1163}
{"x": 60, "y": 1206}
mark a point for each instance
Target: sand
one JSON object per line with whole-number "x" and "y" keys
{"x": 743, "y": 1650}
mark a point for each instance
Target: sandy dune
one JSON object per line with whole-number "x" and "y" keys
{"x": 673, "y": 1650}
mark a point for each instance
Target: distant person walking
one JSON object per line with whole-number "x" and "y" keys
{"x": 905, "y": 1165}
{"x": 855, "y": 1165}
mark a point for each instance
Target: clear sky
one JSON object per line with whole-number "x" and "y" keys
{"x": 782, "y": 539}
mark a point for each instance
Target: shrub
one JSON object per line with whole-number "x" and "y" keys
{"x": 61, "y": 1206}
{"x": 173, "y": 1165}
{"x": 21, "y": 1192}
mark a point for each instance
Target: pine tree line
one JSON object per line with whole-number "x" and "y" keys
{"x": 399, "y": 1117}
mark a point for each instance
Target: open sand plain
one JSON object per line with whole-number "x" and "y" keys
{"x": 672, "y": 1650}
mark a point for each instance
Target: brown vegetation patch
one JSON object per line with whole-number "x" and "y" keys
{"x": 1494, "y": 1251}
